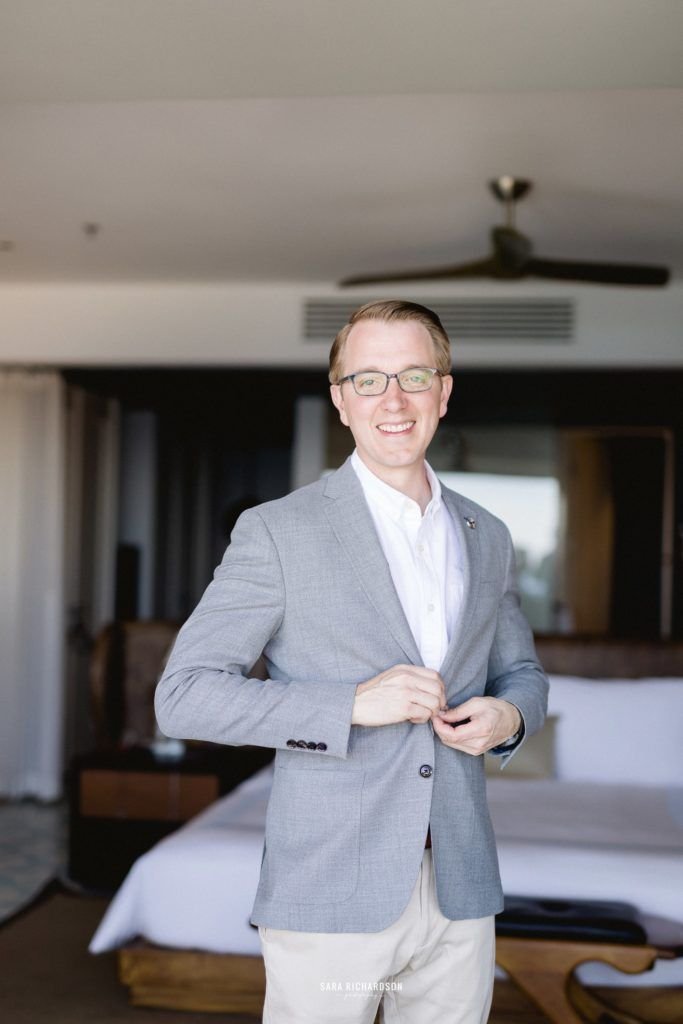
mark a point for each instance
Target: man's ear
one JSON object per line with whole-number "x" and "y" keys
{"x": 338, "y": 402}
{"x": 446, "y": 388}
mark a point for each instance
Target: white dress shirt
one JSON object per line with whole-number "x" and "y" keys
{"x": 425, "y": 562}
{"x": 424, "y": 559}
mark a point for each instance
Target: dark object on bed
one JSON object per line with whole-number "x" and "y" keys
{"x": 570, "y": 920}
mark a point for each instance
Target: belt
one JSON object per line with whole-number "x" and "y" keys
{"x": 428, "y": 840}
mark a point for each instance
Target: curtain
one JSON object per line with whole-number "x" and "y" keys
{"x": 32, "y": 458}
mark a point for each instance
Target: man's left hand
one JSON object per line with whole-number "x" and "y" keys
{"x": 491, "y": 722}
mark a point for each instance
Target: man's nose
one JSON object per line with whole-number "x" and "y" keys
{"x": 394, "y": 396}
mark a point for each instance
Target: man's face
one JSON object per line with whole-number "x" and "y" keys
{"x": 392, "y": 431}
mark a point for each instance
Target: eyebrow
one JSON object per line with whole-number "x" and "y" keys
{"x": 376, "y": 369}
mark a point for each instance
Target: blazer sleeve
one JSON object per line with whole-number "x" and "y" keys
{"x": 205, "y": 691}
{"x": 514, "y": 672}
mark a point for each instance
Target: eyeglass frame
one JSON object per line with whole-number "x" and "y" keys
{"x": 433, "y": 370}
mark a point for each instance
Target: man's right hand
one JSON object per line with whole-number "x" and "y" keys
{"x": 404, "y": 693}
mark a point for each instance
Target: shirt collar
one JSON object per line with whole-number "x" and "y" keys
{"x": 394, "y": 503}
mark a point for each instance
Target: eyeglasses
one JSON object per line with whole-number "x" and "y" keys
{"x": 376, "y": 382}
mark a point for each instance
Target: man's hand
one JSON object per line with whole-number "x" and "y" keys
{"x": 404, "y": 693}
{"x": 491, "y": 722}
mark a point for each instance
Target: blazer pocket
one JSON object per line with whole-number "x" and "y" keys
{"x": 313, "y": 836}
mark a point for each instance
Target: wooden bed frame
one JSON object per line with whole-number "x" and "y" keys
{"x": 541, "y": 968}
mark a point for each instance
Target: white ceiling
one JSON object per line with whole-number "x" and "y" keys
{"x": 308, "y": 140}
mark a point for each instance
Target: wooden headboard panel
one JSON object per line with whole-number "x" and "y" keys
{"x": 603, "y": 658}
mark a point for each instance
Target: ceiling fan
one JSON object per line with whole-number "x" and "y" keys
{"x": 512, "y": 257}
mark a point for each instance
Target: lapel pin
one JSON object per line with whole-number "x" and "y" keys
{"x": 472, "y": 523}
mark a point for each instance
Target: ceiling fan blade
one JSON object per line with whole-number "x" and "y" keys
{"x": 479, "y": 268}
{"x": 598, "y": 273}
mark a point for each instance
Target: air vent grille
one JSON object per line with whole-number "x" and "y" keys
{"x": 514, "y": 320}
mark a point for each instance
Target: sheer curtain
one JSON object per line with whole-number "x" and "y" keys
{"x": 32, "y": 454}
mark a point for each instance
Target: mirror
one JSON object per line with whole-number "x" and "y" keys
{"x": 590, "y": 511}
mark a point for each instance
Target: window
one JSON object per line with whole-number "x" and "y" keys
{"x": 530, "y": 508}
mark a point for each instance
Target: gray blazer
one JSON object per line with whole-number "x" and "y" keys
{"x": 305, "y": 580}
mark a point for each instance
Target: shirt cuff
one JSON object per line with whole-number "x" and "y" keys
{"x": 510, "y": 741}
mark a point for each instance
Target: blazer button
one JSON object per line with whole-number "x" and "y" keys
{"x": 321, "y": 746}
{"x": 426, "y": 771}
{"x": 291, "y": 743}
{"x": 302, "y": 743}
{"x": 311, "y": 745}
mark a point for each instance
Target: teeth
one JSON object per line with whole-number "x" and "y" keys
{"x": 395, "y": 428}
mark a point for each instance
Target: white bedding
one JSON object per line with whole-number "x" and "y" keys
{"x": 195, "y": 889}
{"x": 600, "y": 815}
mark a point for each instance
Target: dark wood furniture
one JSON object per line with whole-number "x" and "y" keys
{"x": 123, "y": 798}
{"x": 123, "y": 801}
{"x": 596, "y": 657}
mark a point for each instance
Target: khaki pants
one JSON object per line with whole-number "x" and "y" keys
{"x": 425, "y": 968}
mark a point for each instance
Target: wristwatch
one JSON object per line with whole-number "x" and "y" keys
{"x": 511, "y": 740}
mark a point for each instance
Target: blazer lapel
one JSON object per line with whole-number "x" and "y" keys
{"x": 469, "y": 541}
{"x": 351, "y": 520}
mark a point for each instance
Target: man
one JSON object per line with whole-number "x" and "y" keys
{"x": 386, "y": 610}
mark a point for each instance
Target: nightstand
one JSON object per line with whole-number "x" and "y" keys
{"x": 123, "y": 801}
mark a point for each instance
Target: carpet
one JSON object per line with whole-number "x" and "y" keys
{"x": 47, "y": 973}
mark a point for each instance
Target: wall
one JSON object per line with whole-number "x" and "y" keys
{"x": 261, "y": 324}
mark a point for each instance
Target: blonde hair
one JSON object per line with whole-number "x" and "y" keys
{"x": 390, "y": 310}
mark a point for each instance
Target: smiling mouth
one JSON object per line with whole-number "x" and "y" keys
{"x": 396, "y": 428}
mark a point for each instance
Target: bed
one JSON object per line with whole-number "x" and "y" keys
{"x": 578, "y": 817}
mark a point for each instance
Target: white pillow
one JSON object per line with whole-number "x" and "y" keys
{"x": 618, "y": 730}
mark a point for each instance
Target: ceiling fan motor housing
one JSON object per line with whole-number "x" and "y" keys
{"x": 512, "y": 250}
